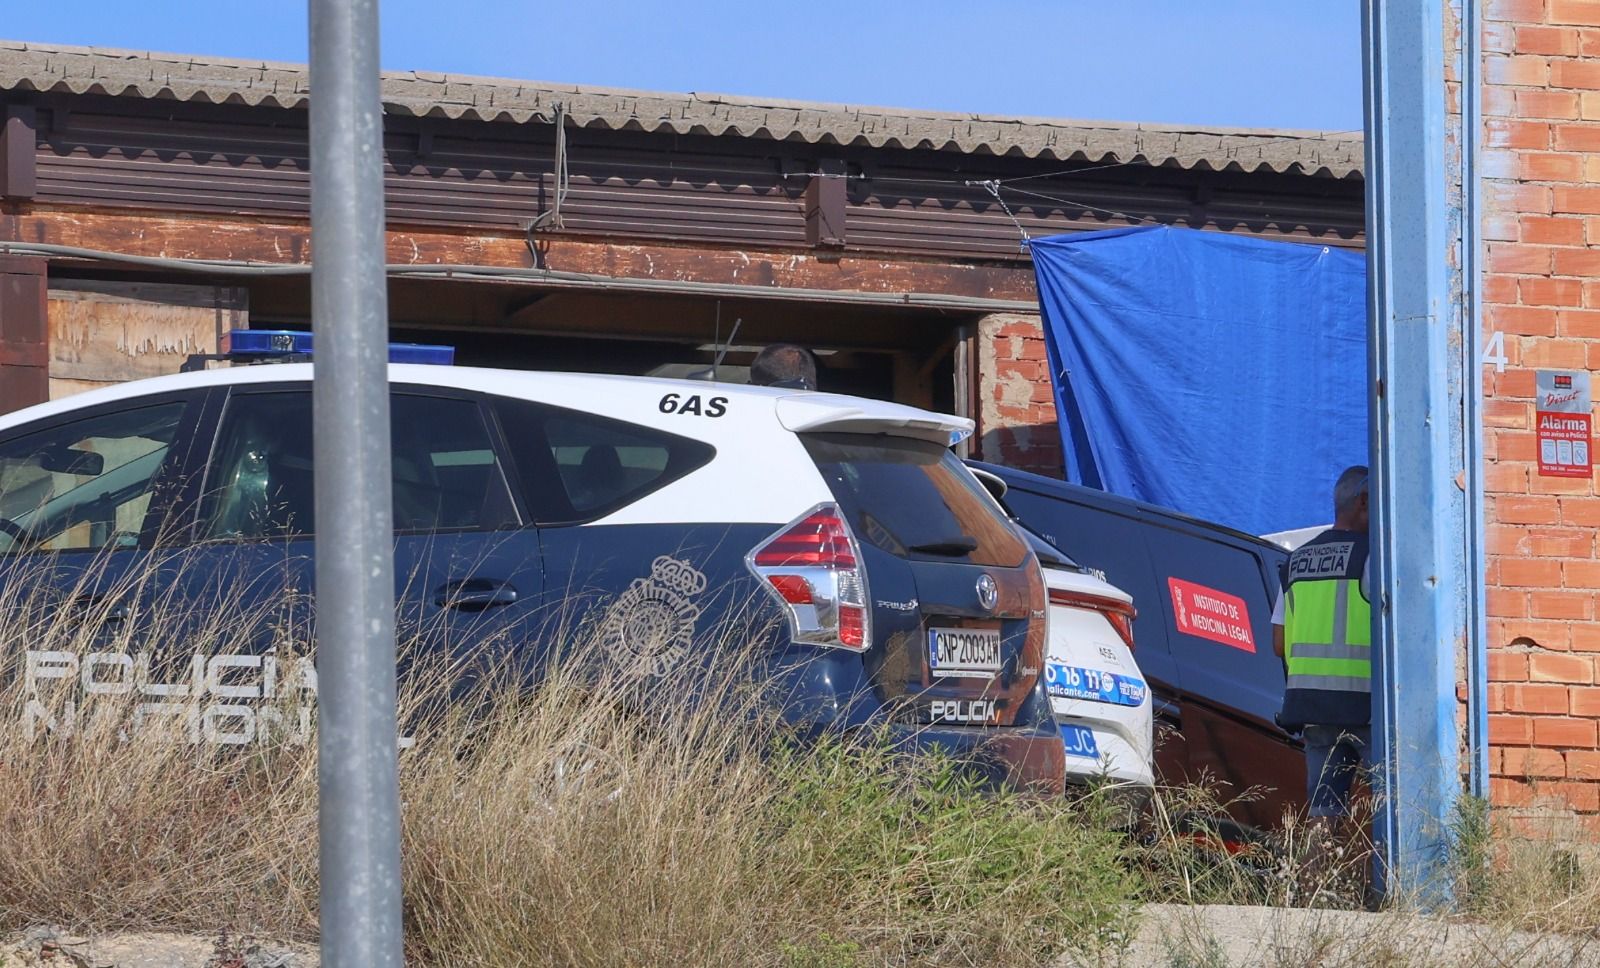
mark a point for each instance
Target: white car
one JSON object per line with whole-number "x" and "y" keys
{"x": 1100, "y": 700}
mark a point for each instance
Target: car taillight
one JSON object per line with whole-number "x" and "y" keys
{"x": 813, "y": 566}
{"x": 1119, "y": 613}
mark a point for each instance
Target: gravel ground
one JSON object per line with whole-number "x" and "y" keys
{"x": 1169, "y": 936}
{"x": 54, "y": 948}
{"x": 1230, "y": 936}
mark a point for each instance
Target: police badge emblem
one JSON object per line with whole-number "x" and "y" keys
{"x": 651, "y": 624}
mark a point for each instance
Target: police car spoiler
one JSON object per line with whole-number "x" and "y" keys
{"x": 819, "y": 412}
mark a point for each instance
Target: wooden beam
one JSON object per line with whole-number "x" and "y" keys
{"x": 24, "y": 335}
{"x": 19, "y": 151}
{"x": 290, "y": 241}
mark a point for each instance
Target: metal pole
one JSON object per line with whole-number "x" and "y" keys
{"x": 356, "y": 735}
{"x": 1419, "y": 516}
{"x": 1472, "y": 388}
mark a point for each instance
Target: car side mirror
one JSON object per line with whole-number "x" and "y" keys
{"x": 65, "y": 460}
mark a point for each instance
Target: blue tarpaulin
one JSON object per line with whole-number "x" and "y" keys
{"x": 1222, "y": 376}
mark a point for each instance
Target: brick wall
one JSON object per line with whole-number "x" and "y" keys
{"x": 1541, "y": 198}
{"x": 1016, "y": 412}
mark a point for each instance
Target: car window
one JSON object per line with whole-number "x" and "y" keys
{"x": 447, "y": 476}
{"x": 1048, "y": 554}
{"x": 84, "y": 485}
{"x": 913, "y": 498}
{"x": 580, "y": 467}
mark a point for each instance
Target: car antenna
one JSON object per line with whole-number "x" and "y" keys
{"x": 723, "y": 350}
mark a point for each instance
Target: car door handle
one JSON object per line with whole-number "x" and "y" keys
{"x": 475, "y": 594}
{"x": 108, "y": 612}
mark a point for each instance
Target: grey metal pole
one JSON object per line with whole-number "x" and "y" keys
{"x": 357, "y": 773}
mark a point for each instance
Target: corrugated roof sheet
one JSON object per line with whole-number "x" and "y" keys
{"x": 127, "y": 73}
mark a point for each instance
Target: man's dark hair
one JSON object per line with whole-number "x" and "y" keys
{"x": 784, "y": 365}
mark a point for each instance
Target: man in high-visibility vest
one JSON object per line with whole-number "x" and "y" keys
{"x": 1323, "y": 631}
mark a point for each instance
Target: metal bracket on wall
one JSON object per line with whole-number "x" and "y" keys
{"x": 825, "y": 202}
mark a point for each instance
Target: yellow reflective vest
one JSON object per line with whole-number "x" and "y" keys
{"x": 1327, "y": 633}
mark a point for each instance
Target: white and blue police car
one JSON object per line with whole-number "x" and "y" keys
{"x": 907, "y": 599}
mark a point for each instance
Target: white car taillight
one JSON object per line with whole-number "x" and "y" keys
{"x": 813, "y": 566}
{"x": 1119, "y": 613}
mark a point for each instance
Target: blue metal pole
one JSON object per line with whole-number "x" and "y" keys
{"x": 1419, "y": 517}
{"x": 1472, "y": 388}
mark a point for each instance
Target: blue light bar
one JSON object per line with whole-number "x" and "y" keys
{"x": 247, "y": 345}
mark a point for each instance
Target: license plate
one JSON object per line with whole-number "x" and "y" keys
{"x": 1079, "y": 741}
{"x": 1094, "y": 685}
{"x": 964, "y": 653}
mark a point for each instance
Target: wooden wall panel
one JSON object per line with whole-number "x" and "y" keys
{"x": 23, "y": 372}
{"x": 107, "y": 332}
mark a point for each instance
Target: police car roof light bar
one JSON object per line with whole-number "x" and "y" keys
{"x": 291, "y": 346}
{"x": 267, "y": 344}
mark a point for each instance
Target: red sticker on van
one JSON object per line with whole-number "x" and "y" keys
{"x": 1211, "y": 614}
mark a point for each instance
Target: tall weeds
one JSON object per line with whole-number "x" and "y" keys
{"x": 158, "y": 771}
{"x": 596, "y": 816}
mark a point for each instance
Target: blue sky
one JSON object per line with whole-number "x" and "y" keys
{"x": 1256, "y": 63}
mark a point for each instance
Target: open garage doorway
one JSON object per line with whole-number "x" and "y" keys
{"x": 918, "y": 357}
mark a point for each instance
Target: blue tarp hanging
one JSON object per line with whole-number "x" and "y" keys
{"x": 1222, "y": 376}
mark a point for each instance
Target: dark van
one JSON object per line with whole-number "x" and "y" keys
{"x": 1203, "y": 635}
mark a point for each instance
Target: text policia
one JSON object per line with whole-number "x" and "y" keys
{"x": 229, "y": 700}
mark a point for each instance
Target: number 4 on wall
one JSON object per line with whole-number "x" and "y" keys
{"x": 1495, "y": 352}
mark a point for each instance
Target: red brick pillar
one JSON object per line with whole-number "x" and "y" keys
{"x": 1541, "y": 199}
{"x": 1017, "y": 412}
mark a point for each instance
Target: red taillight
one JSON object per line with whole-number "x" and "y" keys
{"x": 853, "y": 626}
{"x": 819, "y": 539}
{"x": 792, "y": 588}
{"x": 1119, "y": 613}
{"x": 814, "y": 568}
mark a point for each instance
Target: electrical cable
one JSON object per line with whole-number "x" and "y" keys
{"x": 993, "y": 188}
{"x": 1083, "y": 205}
{"x": 551, "y": 218}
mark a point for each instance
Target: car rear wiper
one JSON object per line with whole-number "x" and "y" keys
{"x": 948, "y": 548}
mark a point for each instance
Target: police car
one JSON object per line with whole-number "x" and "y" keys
{"x": 1102, "y": 703}
{"x": 653, "y": 510}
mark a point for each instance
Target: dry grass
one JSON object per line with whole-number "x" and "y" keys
{"x": 601, "y": 817}
{"x": 1530, "y": 869}
{"x": 596, "y": 818}
{"x": 1526, "y": 884}
{"x": 109, "y": 815}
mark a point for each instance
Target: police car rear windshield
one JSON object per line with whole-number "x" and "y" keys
{"x": 914, "y": 499}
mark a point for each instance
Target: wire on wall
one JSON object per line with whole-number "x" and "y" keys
{"x": 551, "y": 217}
